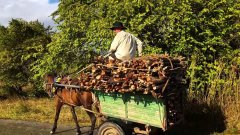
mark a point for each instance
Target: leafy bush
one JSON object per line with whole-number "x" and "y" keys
{"x": 21, "y": 44}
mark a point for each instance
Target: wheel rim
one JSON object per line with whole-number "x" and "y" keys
{"x": 110, "y": 131}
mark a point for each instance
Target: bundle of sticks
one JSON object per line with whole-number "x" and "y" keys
{"x": 154, "y": 74}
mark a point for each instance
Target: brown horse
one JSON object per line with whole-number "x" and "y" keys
{"x": 72, "y": 97}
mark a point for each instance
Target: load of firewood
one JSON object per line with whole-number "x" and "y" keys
{"x": 154, "y": 74}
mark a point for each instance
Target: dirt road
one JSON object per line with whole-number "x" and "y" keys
{"x": 18, "y": 127}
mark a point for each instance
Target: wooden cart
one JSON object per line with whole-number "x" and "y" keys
{"x": 123, "y": 110}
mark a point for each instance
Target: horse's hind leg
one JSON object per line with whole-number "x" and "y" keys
{"x": 75, "y": 120}
{"x": 59, "y": 105}
{"x": 93, "y": 121}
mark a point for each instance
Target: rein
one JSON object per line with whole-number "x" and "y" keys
{"x": 51, "y": 87}
{"x": 55, "y": 93}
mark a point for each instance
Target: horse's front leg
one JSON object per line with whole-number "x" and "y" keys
{"x": 93, "y": 121}
{"x": 75, "y": 120}
{"x": 59, "y": 105}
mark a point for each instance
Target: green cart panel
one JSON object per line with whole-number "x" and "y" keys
{"x": 144, "y": 109}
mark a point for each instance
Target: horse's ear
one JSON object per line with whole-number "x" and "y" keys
{"x": 45, "y": 76}
{"x": 49, "y": 77}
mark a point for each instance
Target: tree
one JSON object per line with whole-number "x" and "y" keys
{"x": 202, "y": 31}
{"x": 21, "y": 44}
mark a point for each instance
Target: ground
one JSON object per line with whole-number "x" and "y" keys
{"x": 19, "y": 127}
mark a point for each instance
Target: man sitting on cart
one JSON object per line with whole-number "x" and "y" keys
{"x": 124, "y": 45}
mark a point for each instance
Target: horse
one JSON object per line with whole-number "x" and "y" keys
{"x": 71, "y": 97}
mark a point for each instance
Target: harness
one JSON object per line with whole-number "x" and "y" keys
{"x": 54, "y": 87}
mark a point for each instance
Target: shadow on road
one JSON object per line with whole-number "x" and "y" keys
{"x": 63, "y": 131}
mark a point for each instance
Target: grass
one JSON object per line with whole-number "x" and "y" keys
{"x": 219, "y": 105}
{"x": 40, "y": 110}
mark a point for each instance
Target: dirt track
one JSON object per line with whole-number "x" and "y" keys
{"x": 18, "y": 127}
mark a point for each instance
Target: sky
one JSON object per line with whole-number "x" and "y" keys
{"x": 28, "y": 10}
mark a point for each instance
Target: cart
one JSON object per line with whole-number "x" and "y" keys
{"x": 135, "y": 111}
{"x": 123, "y": 110}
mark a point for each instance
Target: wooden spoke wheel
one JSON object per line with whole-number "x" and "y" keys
{"x": 110, "y": 128}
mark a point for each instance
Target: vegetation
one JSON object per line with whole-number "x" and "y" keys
{"x": 41, "y": 110}
{"x": 21, "y": 44}
{"x": 207, "y": 33}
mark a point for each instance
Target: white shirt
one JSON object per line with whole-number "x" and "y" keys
{"x": 125, "y": 45}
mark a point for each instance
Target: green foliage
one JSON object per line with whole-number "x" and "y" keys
{"x": 202, "y": 31}
{"x": 214, "y": 38}
{"x": 205, "y": 32}
{"x": 21, "y": 44}
{"x": 84, "y": 30}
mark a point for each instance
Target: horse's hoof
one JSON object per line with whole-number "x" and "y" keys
{"x": 51, "y": 132}
{"x": 77, "y": 133}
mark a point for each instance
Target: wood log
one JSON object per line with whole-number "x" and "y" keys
{"x": 142, "y": 74}
{"x": 157, "y": 75}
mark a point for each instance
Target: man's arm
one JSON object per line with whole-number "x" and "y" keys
{"x": 114, "y": 44}
{"x": 139, "y": 46}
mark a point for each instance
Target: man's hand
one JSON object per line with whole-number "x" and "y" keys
{"x": 140, "y": 54}
{"x": 108, "y": 54}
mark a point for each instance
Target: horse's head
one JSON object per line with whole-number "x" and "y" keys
{"x": 48, "y": 84}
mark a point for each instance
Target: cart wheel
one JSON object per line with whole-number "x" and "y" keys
{"x": 110, "y": 128}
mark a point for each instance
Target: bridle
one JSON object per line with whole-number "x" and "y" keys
{"x": 50, "y": 91}
{"x": 52, "y": 94}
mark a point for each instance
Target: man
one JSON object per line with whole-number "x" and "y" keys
{"x": 124, "y": 45}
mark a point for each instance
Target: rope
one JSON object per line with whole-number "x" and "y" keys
{"x": 90, "y": 110}
{"x": 85, "y": 68}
